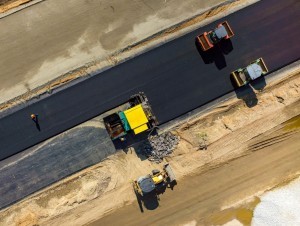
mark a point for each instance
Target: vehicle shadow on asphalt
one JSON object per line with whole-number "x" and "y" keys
{"x": 259, "y": 84}
{"x": 226, "y": 46}
{"x": 216, "y": 54}
{"x": 247, "y": 94}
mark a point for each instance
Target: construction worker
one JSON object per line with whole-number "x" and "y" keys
{"x": 34, "y": 117}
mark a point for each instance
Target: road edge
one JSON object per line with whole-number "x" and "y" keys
{"x": 93, "y": 68}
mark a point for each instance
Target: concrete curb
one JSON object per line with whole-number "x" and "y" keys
{"x": 19, "y": 8}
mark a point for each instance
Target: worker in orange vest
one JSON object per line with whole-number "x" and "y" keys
{"x": 34, "y": 117}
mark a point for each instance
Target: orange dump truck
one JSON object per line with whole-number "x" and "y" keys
{"x": 207, "y": 40}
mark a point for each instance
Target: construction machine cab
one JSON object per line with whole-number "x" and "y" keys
{"x": 218, "y": 34}
{"x": 243, "y": 76}
{"x": 149, "y": 187}
{"x": 254, "y": 71}
{"x": 146, "y": 185}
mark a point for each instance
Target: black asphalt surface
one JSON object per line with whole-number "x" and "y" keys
{"x": 175, "y": 77}
{"x": 48, "y": 162}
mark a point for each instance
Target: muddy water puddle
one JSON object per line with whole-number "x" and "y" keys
{"x": 243, "y": 214}
{"x": 292, "y": 124}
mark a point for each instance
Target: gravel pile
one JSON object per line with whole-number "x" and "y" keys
{"x": 159, "y": 146}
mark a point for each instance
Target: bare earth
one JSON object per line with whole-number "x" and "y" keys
{"x": 208, "y": 198}
{"x": 250, "y": 150}
{"x": 6, "y": 5}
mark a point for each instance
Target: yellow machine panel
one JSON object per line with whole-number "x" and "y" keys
{"x": 136, "y": 118}
{"x": 158, "y": 179}
{"x": 140, "y": 129}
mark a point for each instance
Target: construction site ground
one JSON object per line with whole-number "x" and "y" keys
{"x": 249, "y": 150}
{"x": 17, "y": 172}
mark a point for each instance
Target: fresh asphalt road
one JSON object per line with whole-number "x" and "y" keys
{"x": 174, "y": 76}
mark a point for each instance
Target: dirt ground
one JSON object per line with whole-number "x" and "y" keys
{"x": 6, "y": 5}
{"x": 214, "y": 197}
{"x": 235, "y": 134}
{"x": 231, "y": 130}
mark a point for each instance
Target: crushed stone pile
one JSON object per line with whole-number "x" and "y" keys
{"x": 159, "y": 146}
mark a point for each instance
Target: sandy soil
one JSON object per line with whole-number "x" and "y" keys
{"x": 6, "y": 5}
{"x": 90, "y": 43}
{"x": 231, "y": 131}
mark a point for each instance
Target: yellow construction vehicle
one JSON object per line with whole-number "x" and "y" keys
{"x": 137, "y": 118}
{"x": 150, "y": 186}
{"x": 243, "y": 76}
